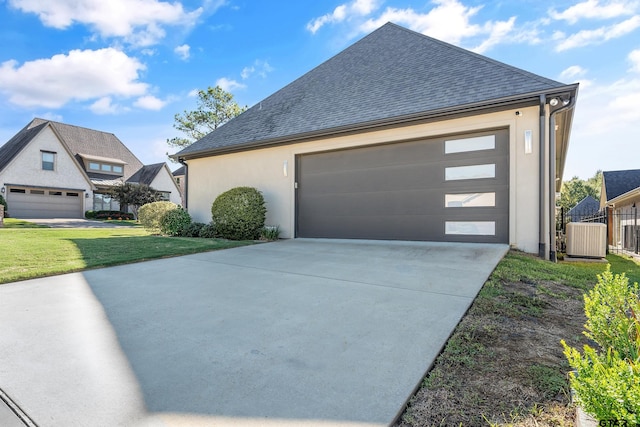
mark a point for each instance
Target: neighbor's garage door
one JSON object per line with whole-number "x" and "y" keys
{"x": 453, "y": 188}
{"x": 24, "y": 202}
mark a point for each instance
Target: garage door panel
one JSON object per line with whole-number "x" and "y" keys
{"x": 400, "y": 191}
{"x": 38, "y": 203}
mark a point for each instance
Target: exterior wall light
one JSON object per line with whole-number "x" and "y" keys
{"x": 285, "y": 172}
{"x": 528, "y": 141}
{"x": 554, "y": 102}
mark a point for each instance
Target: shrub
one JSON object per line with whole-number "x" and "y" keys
{"x": 192, "y": 230}
{"x": 174, "y": 221}
{"x": 111, "y": 215}
{"x": 239, "y": 214}
{"x": 607, "y": 382}
{"x": 270, "y": 232}
{"x": 208, "y": 231}
{"x": 3, "y": 202}
{"x": 90, "y": 214}
{"x": 151, "y": 214}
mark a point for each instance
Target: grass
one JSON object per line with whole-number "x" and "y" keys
{"x": 503, "y": 365}
{"x": 19, "y": 223}
{"x": 29, "y": 252}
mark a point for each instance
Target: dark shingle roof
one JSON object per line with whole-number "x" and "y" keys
{"x": 146, "y": 174}
{"x": 180, "y": 171}
{"x": 78, "y": 140}
{"x": 392, "y": 73}
{"x": 585, "y": 207}
{"x": 617, "y": 183}
{"x": 20, "y": 140}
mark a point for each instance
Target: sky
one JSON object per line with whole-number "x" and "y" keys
{"x": 128, "y": 66}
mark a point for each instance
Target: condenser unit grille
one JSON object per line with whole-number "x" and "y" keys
{"x": 586, "y": 240}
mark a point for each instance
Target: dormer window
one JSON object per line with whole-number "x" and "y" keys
{"x": 117, "y": 169}
{"x": 94, "y": 166}
{"x": 103, "y": 165}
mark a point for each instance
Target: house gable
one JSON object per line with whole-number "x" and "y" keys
{"x": 617, "y": 183}
{"x": 26, "y": 169}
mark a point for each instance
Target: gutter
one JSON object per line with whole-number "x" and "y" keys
{"x": 542, "y": 249}
{"x": 186, "y": 182}
{"x": 565, "y": 105}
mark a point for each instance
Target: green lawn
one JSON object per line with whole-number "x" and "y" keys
{"x": 36, "y": 252}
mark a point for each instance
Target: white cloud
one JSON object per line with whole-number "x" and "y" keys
{"x": 343, "y": 12}
{"x": 149, "y": 102}
{"x": 593, "y": 9}
{"x": 81, "y": 75}
{"x": 634, "y": 58}
{"x": 183, "y": 51}
{"x": 51, "y": 116}
{"x": 260, "y": 68}
{"x": 573, "y": 72}
{"x": 498, "y": 31}
{"x": 193, "y": 93}
{"x": 138, "y": 22}
{"x": 104, "y": 106}
{"x": 599, "y": 35}
{"x": 229, "y": 84}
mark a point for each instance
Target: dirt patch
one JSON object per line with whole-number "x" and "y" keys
{"x": 504, "y": 364}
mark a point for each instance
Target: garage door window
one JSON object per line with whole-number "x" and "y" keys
{"x": 470, "y": 172}
{"x": 38, "y": 192}
{"x": 48, "y": 160}
{"x": 17, "y": 190}
{"x": 464, "y": 145}
{"x": 471, "y": 228}
{"x": 470, "y": 200}
{"x": 55, "y": 193}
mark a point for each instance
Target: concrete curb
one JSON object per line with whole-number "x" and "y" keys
{"x": 11, "y": 415}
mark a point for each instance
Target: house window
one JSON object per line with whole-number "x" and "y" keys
{"x": 105, "y": 168}
{"x": 94, "y": 166}
{"x": 55, "y": 193}
{"x": 73, "y": 195}
{"x": 178, "y": 181}
{"x": 104, "y": 202}
{"x": 164, "y": 195}
{"x": 48, "y": 160}
{"x": 117, "y": 169}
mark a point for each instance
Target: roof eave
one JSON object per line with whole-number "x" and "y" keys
{"x": 626, "y": 197}
{"x": 497, "y": 104}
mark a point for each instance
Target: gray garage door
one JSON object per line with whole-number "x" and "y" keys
{"x": 25, "y": 202}
{"x": 453, "y": 188}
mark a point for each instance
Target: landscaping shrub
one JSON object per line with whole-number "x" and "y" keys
{"x": 174, "y": 221}
{"x": 192, "y": 230}
{"x": 239, "y": 214}
{"x": 607, "y": 382}
{"x": 3, "y": 202}
{"x": 270, "y": 232}
{"x": 90, "y": 214}
{"x": 208, "y": 231}
{"x": 151, "y": 214}
{"x": 111, "y": 215}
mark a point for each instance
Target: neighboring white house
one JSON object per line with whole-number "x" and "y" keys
{"x": 399, "y": 136}
{"x": 50, "y": 169}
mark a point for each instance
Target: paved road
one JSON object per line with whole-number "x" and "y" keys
{"x": 297, "y": 332}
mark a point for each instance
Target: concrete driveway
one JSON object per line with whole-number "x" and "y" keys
{"x": 297, "y": 332}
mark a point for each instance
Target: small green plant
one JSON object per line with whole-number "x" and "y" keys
{"x": 151, "y": 214}
{"x": 607, "y": 382}
{"x": 192, "y": 230}
{"x": 3, "y": 202}
{"x": 208, "y": 231}
{"x": 174, "y": 221}
{"x": 239, "y": 214}
{"x": 90, "y": 214}
{"x": 270, "y": 232}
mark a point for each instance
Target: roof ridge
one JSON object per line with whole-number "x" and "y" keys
{"x": 477, "y": 55}
{"x": 53, "y": 122}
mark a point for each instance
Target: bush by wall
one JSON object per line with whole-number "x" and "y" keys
{"x": 108, "y": 215}
{"x": 208, "y": 231}
{"x": 3, "y": 202}
{"x": 607, "y": 380}
{"x": 174, "y": 221}
{"x": 151, "y": 214}
{"x": 192, "y": 230}
{"x": 239, "y": 214}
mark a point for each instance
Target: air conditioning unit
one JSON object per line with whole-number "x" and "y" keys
{"x": 588, "y": 240}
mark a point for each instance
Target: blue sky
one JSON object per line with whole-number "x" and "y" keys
{"x": 127, "y": 66}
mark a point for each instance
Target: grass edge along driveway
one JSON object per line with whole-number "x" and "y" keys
{"x": 29, "y": 253}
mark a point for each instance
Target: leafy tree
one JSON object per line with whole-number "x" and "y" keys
{"x": 576, "y": 189}
{"x": 134, "y": 195}
{"x": 215, "y": 107}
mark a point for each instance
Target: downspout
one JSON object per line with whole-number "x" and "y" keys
{"x": 542, "y": 250}
{"x": 567, "y": 105}
{"x": 186, "y": 182}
